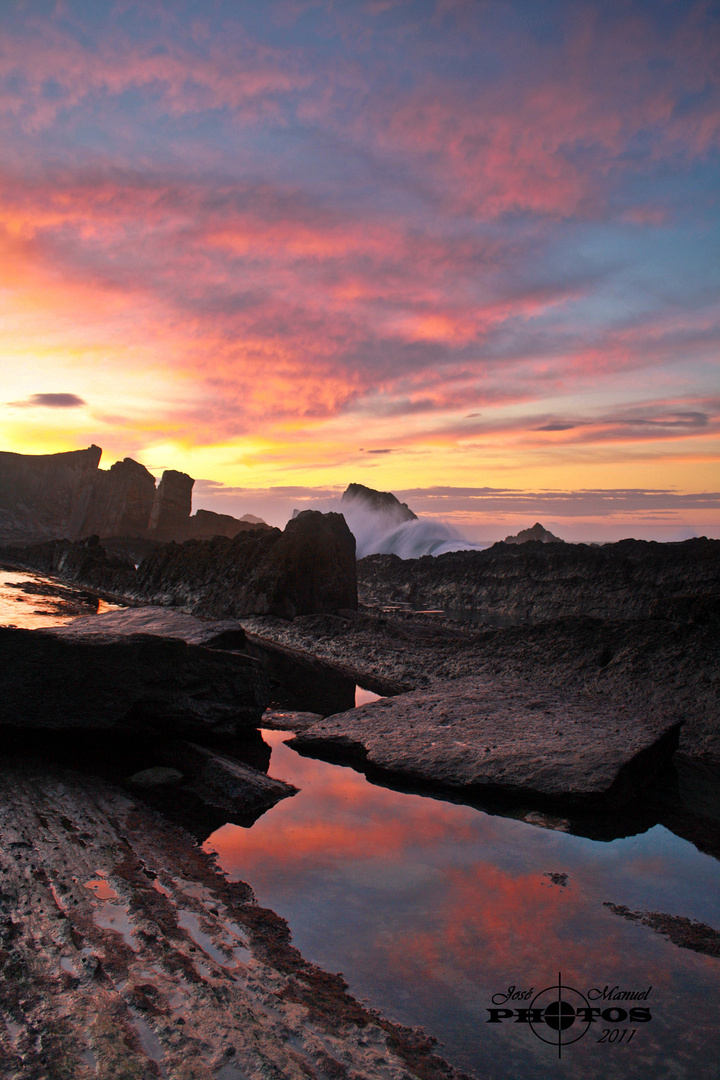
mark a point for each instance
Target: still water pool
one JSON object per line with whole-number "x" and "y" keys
{"x": 431, "y": 908}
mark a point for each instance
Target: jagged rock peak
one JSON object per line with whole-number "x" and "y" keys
{"x": 67, "y": 495}
{"x": 380, "y": 502}
{"x": 536, "y": 533}
{"x": 171, "y": 506}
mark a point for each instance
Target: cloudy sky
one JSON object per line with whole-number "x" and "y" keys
{"x": 464, "y": 250}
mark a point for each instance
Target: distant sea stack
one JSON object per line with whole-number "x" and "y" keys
{"x": 538, "y": 533}
{"x": 359, "y": 497}
{"x": 68, "y": 496}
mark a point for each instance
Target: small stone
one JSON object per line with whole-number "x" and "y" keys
{"x": 156, "y": 777}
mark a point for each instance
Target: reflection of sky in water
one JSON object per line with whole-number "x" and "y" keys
{"x": 429, "y": 908}
{"x": 31, "y": 611}
{"x": 364, "y": 697}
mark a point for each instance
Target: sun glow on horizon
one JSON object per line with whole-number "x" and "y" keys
{"x": 411, "y": 246}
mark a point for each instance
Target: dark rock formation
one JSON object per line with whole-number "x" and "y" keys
{"x": 309, "y": 568}
{"x": 171, "y": 507}
{"x": 121, "y": 501}
{"x": 204, "y": 524}
{"x": 45, "y": 495}
{"x": 636, "y": 664}
{"x": 66, "y": 496}
{"x": 59, "y": 680}
{"x": 537, "y": 532}
{"x": 312, "y": 568}
{"x": 478, "y": 737}
{"x": 533, "y": 581}
{"x": 225, "y": 783}
{"x": 357, "y": 496}
{"x": 83, "y": 562}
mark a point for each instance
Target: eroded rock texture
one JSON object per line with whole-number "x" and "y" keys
{"x": 535, "y": 581}
{"x": 518, "y": 741}
{"x": 124, "y": 954}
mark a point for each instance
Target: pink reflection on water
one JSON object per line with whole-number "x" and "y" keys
{"x": 47, "y": 604}
{"x": 429, "y": 908}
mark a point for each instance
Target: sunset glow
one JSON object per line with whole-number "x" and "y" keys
{"x": 464, "y": 252}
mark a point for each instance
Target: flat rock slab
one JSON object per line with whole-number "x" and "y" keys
{"x": 54, "y": 680}
{"x": 483, "y": 738}
{"x": 162, "y": 622}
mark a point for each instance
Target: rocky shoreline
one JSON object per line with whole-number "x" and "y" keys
{"x": 632, "y": 664}
{"x": 558, "y": 716}
{"x": 125, "y": 953}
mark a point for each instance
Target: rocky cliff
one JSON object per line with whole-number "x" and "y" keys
{"x": 68, "y": 495}
{"x": 534, "y": 581}
{"x": 171, "y": 506}
{"x": 120, "y": 501}
{"x": 46, "y": 495}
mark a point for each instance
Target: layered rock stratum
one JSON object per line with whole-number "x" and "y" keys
{"x": 56, "y": 496}
{"x": 510, "y": 740}
{"x": 530, "y": 582}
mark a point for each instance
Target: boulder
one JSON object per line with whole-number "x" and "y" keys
{"x": 51, "y": 679}
{"x": 478, "y": 738}
{"x": 310, "y": 570}
{"x": 157, "y": 776}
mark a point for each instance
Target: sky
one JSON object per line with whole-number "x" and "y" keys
{"x": 464, "y": 250}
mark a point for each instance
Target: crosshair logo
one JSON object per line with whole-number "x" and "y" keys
{"x": 560, "y": 1015}
{"x": 558, "y": 1008}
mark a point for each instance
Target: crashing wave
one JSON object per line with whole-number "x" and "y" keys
{"x": 397, "y": 531}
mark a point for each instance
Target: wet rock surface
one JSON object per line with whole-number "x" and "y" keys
{"x": 55, "y": 680}
{"x": 125, "y": 954}
{"x": 638, "y": 664}
{"x": 509, "y": 740}
{"x": 683, "y": 932}
{"x": 226, "y": 783}
{"x": 161, "y": 622}
{"x": 534, "y": 581}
